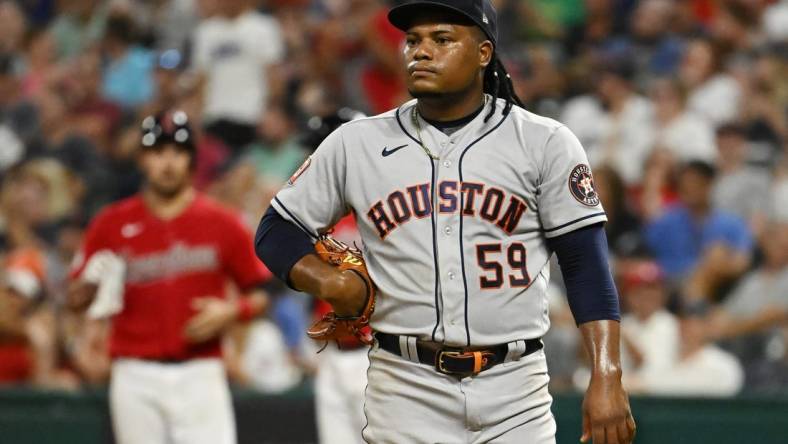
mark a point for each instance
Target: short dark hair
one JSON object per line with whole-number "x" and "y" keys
{"x": 121, "y": 28}
{"x": 705, "y": 169}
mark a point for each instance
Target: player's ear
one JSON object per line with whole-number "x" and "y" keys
{"x": 486, "y": 51}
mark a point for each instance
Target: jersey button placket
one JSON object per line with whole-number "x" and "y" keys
{"x": 451, "y": 286}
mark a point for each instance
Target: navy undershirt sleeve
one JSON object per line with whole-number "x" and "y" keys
{"x": 583, "y": 257}
{"x": 280, "y": 244}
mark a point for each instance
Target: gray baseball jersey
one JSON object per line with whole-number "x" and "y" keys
{"x": 456, "y": 240}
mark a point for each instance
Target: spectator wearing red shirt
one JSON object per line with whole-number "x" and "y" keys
{"x": 158, "y": 263}
{"x": 382, "y": 79}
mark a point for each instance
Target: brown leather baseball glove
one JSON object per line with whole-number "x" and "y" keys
{"x": 337, "y": 328}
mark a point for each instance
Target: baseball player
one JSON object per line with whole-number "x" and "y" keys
{"x": 158, "y": 263}
{"x": 461, "y": 196}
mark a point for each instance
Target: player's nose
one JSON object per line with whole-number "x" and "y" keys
{"x": 421, "y": 52}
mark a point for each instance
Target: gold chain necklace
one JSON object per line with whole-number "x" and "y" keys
{"x": 414, "y": 115}
{"x": 415, "y": 118}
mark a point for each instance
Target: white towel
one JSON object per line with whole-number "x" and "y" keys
{"x": 107, "y": 270}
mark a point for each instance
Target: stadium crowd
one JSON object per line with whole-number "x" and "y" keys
{"x": 681, "y": 105}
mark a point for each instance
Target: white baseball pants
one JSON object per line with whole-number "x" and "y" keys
{"x": 411, "y": 402}
{"x": 163, "y": 403}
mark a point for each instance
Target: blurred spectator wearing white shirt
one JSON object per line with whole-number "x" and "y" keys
{"x": 686, "y": 134}
{"x": 712, "y": 93}
{"x": 702, "y": 368}
{"x": 615, "y": 124}
{"x": 235, "y": 49}
{"x": 775, "y": 21}
{"x": 649, "y": 332}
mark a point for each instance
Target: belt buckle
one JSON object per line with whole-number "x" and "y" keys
{"x": 477, "y": 357}
{"x": 444, "y": 353}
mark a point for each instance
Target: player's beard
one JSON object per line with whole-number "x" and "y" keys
{"x": 445, "y": 96}
{"x": 426, "y": 94}
{"x": 168, "y": 191}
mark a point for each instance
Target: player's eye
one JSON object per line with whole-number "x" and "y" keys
{"x": 442, "y": 40}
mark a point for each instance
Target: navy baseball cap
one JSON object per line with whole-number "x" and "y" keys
{"x": 480, "y": 12}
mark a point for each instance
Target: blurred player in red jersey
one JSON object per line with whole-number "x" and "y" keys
{"x": 158, "y": 263}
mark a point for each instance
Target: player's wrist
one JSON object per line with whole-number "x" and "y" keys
{"x": 346, "y": 292}
{"x": 606, "y": 373}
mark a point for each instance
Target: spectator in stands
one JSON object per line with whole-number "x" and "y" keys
{"x": 702, "y": 369}
{"x": 13, "y": 27}
{"x": 735, "y": 25}
{"x": 740, "y": 188}
{"x": 17, "y": 364}
{"x": 539, "y": 80}
{"x": 9, "y": 82}
{"x": 382, "y": 79}
{"x": 278, "y": 153}
{"x": 692, "y": 17}
{"x": 264, "y": 362}
{"x": 712, "y": 92}
{"x": 89, "y": 113}
{"x": 41, "y": 58}
{"x": 658, "y": 188}
{"x": 234, "y": 51}
{"x": 649, "y": 332}
{"x": 27, "y": 328}
{"x": 754, "y": 317}
{"x": 775, "y": 21}
{"x": 761, "y": 73}
{"x": 623, "y": 227}
{"x": 24, "y": 204}
{"x": 603, "y": 19}
{"x": 562, "y": 343}
{"x": 79, "y": 25}
{"x": 13, "y": 146}
{"x": 168, "y": 81}
{"x": 696, "y": 237}
{"x": 686, "y": 134}
{"x": 128, "y": 78}
{"x": 615, "y": 124}
{"x": 655, "y": 51}
{"x": 779, "y": 195}
{"x": 540, "y": 19}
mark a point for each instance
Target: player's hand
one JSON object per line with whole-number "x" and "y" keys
{"x": 212, "y": 317}
{"x": 349, "y": 295}
{"x": 607, "y": 418}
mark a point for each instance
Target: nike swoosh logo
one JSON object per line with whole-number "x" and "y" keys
{"x": 131, "y": 230}
{"x": 387, "y": 152}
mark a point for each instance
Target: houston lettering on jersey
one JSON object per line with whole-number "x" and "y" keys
{"x": 490, "y": 203}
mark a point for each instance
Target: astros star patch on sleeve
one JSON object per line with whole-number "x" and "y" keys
{"x": 581, "y": 184}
